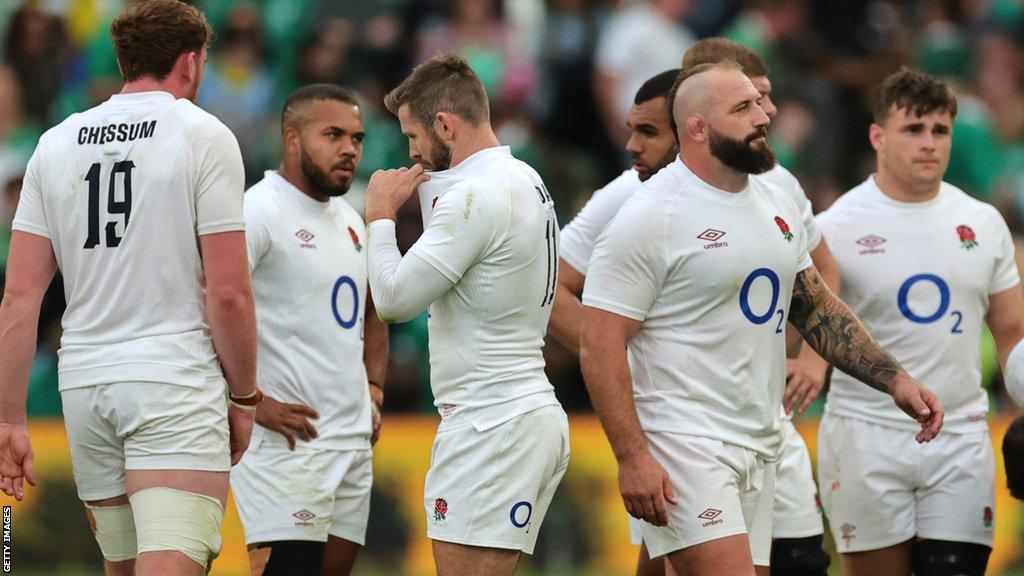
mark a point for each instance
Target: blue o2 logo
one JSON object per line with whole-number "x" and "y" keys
{"x": 759, "y": 318}
{"x": 921, "y": 317}
{"x": 520, "y": 514}
{"x": 343, "y": 283}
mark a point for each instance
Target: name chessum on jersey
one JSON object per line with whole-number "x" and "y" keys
{"x": 122, "y": 132}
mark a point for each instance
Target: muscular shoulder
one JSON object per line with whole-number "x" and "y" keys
{"x": 262, "y": 200}
{"x": 855, "y": 202}
{"x": 966, "y": 204}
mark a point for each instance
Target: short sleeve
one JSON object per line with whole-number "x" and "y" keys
{"x": 580, "y": 234}
{"x": 31, "y": 214}
{"x": 220, "y": 185}
{"x": 258, "y": 238}
{"x": 628, "y": 267}
{"x": 460, "y": 231}
{"x": 1005, "y": 274}
{"x": 807, "y": 215}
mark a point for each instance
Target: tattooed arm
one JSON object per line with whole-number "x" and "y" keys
{"x": 832, "y": 329}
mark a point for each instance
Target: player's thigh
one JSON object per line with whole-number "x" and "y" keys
{"x": 339, "y": 556}
{"x": 727, "y": 556}
{"x": 97, "y": 450}
{"x": 868, "y": 476}
{"x": 287, "y": 558}
{"x": 174, "y": 426}
{"x": 797, "y": 510}
{"x": 888, "y": 561}
{"x": 491, "y": 488}
{"x": 957, "y": 501}
{"x": 723, "y": 491}
{"x": 453, "y": 559}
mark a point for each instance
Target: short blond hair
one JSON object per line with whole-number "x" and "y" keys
{"x": 445, "y": 83}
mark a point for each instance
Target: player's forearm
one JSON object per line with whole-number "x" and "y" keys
{"x": 831, "y": 328}
{"x": 401, "y": 287}
{"x": 609, "y": 383}
{"x": 18, "y": 327}
{"x": 566, "y": 319}
{"x": 232, "y": 316}
{"x": 375, "y": 347}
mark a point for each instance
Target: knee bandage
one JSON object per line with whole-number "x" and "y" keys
{"x": 799, "y": 557}
{"x": 186, "y": 522}
{"x": 114, "y": 528}
{"x": 1013, "y": 374}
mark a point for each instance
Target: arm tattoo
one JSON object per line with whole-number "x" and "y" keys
{"x": 831, "y": 328}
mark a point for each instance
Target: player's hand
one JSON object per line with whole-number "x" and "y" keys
{"x": 289, "y": 420}
{"x": 805, "y": 379}
{"x": 389, "y": 189}
{"x": 17, "y": 463}
{"x": 920, "y": 403}
{"x": 240, "y": 423}
{"x": 645, "y": 489}
{"x": 375, "y": 434}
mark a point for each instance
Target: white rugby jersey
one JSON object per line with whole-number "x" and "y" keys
{"x": 122, "y": 191}
{"x": 581, "y": 233}
{"x": 308, "y": 263}
{"x": 491, "y": 230}
{"x": 918, "y": 274}
{"x": 710, "y": 275}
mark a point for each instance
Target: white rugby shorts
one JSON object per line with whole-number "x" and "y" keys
{"x": 722, "y": 489}
{"x": 306, "y": 494}
{"x": 797, "y": 510}
{"x": 491, "y": 487}
{"x": 144, "y": 426}
{"x": 879, "y": 487}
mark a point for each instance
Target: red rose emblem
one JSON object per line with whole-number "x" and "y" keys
{"x": 784, "y": 227}
{"x": 967, "y": 238}
{"x": 440, "y": 509}
{"x": 355, "y": 239}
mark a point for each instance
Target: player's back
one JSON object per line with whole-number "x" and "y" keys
{"x": 487, "y": 332}
{"x": 123, "y": 190}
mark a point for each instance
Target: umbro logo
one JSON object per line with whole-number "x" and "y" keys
{"x": 871, "y": 244}
{"x": 304, "y": 516}
{"x": 712, "y": 236}
{"x": 306, "y": 237}
{"x": 711, "y": 516}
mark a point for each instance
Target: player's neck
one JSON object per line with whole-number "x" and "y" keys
{"x": 713, "y": 172}
{"x": 475, "y": 141}
{"x": 903, "y": 191}
{"x": 293, "y": 175}
{"x": 148, "y": 84}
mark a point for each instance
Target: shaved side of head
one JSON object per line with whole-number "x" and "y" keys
{"x": 694, "y": 92}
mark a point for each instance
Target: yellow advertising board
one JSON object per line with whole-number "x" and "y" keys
{"x": 400, "y": 462}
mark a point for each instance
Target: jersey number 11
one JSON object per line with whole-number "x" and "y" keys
{"x": 114, "y": 206}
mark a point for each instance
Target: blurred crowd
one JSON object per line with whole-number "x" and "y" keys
{"x": 560, "y": 74}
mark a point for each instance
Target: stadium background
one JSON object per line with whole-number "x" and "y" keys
{"x": 538, "y": 60}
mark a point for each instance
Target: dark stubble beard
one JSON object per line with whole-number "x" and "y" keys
{"x": 740, "y": 155}
{"x": 318, "y": 179}
{"x": 442, "y": 154}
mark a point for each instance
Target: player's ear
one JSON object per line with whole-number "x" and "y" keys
{"x": 444, "y": 125}
{"x": 291, "y": 140}
{"x": 876, "y": 135}
{"x": 696, "y": 129}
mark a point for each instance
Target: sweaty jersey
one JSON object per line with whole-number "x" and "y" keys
{"x": 579, "y": 235}
{"x": 122, "y": 191}
{"x": 490, "y": 229}
{"x": 918, "y": 275}
{"x": 308, "y": 268}
{"x": 709, "y": 274}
